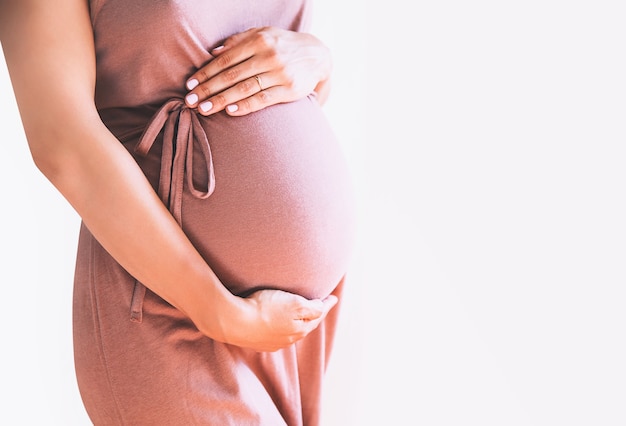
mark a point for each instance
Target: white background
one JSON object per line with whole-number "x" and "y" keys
{"x": 487, "y": 141}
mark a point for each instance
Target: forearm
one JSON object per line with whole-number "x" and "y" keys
{"x": 110, "y": 193}
{"x": 54, "y": 83}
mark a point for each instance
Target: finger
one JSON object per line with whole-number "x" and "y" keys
{"x": 231, "y": 96}
{"x": 214, "y": 66}
{"x": 258, "y": 101}
{"x": 233, "y": 80}
{"x": 315, "y": 310}
{"x": 326, "y": 305}
{"x": 241, "y": 57}
{"x": 242, "y": 46}
{"x": 330, "y": 302}
{"x": 234, "y": 51}
{"x": 218, "y": 83}
{"x": 233, "y": 40}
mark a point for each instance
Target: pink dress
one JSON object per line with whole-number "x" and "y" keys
{"x": 265, "y": 198}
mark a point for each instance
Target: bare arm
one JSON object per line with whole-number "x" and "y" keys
{"x": 49, "y": 51}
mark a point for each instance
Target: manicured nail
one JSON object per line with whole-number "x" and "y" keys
{"x": 191, "y": 99}
{"x": 192, "y": 83}
{"x": 232, "y": 108}
{"x": 206, "y": 106}
{"x": 218, "y": 48}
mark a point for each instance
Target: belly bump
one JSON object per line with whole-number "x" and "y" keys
{"x": 277, "y": 209}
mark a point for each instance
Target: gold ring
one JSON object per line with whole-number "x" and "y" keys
{"x": 258, "y": 80}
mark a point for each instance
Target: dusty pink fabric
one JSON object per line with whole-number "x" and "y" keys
{"x": 265, "y": 198}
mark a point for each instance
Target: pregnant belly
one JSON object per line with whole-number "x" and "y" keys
{"x": 281, "y": 214}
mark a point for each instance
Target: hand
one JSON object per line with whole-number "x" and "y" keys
{"x": 272, "y": 319}
{"x": 258, "y": 68}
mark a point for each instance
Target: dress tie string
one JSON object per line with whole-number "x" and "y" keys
{"x": 182, "y": 133}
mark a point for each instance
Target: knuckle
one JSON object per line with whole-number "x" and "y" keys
{"x": 231, "y": 74}
{"x": 223, "y": 61}
{"x": 276, "y": 59}
{"x": 245, "y": 105}
{"x": 205, "y": 90}
{"x": 247, "y": 86}
{"x": 219, "y": 100}
{"x": 265, "y": 97}
{"x": 265, "y": 39}
{"x": 289, "y": 83}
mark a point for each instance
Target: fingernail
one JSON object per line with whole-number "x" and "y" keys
{"x": 232, "y": 108}
{"x": 218, "y": 48}
{"x": 206, "y": 106}
{"x": 191, "y": 98}
{"x": 192, "y": 83}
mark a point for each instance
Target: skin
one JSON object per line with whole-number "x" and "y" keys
{"x": 289, "y": 66}
{"x": 51, "y": 60}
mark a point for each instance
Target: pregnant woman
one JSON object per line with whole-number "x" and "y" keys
{"x": 215, "y": 202}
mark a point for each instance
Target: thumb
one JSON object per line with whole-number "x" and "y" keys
{"x": 330, "y": 302}
{"x": 316, "y": 308}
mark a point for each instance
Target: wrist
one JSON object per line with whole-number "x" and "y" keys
{"x": 211, "y": 306}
